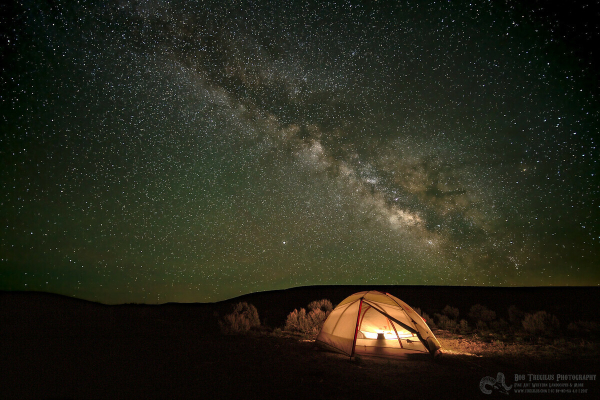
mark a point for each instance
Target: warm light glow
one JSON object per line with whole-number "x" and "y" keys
{"x": 388, "y": 335}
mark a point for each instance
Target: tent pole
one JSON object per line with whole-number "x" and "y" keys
{"x": 395, "y": 331}
{"x": 356, "y": 329}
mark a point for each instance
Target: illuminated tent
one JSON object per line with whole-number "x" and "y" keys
{"x": 377, "y": 323}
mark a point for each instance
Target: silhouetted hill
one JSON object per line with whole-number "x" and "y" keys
{"x": 44, "y": 313}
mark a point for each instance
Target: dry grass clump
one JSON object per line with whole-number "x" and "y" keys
{"x": 243, "y": 318}
{"x": 310, "y": 322}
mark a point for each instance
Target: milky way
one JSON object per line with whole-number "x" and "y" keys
{"x": 154, "y": 151}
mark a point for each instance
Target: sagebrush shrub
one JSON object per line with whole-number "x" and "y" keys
{"x": 243, "y": 318}
{"x": 499, "y": 325}
{"x": 309, "y": 322}
{"x": 451, "y": 312}
{"x": 323, "y": 305}
{"x": 443, "y": 322}
{"x": 482, "y": 313}
{"x": 540, "y": 322}
{"x": 481, "y": 326}
{"x": 428, "y": 320}
{"x": 584, "y": 327}
{"x": 515, "y": 316}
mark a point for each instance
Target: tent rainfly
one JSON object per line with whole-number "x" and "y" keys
{"x": 377, "y": 323}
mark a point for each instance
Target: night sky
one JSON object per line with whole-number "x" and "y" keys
{"x": 197, "y": 151}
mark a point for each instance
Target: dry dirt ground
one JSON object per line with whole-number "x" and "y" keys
{"x": 87, "y": 351}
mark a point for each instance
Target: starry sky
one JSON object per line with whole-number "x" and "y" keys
{"x": 155, "y": 151}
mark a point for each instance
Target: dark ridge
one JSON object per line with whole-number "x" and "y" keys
{"x": 41, "y": 311}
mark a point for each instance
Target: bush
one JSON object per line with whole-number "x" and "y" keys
{"x": 443, "y": 322}
{"x": 515, "y": 316}
{"x": 463, "y": 326}
{"x": 428, "y": 320}
{"x": 309, "y": 323}
{"x": 584, "y": 327}
{"x": 440, "y": 320}
{"x": 540, "y": 322}
{"x": 451, "y": 312}
{"x": 243, "y": 317}
{"x": 452, "y": 325}
{"x": 323, "y": 305}
{"x": 481, "y": 326}
{"x": 297, "y": 321}
{"x": 481, "y": 313}
{"x": 500, "y": 325}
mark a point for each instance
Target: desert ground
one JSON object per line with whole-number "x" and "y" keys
{"x": 54, "y": 347}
